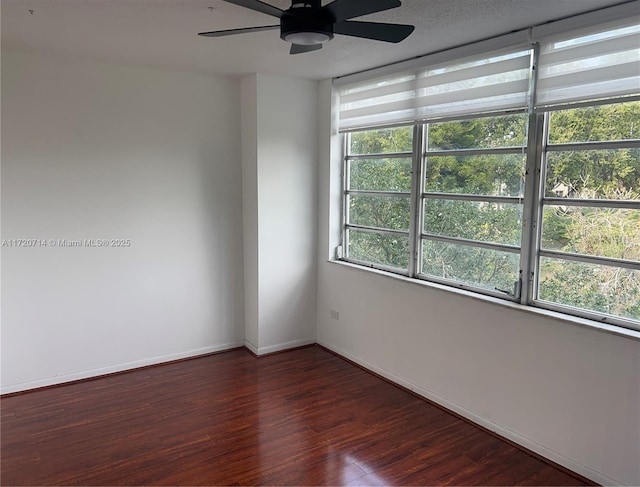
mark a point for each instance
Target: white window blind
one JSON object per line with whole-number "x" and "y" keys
{"x": 481, "y": 84}
{"x": 378, "y": 102}
{"x": 591, "y": 63}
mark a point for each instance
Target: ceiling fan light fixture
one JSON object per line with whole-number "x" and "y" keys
{"x": 307, "y": 24}
{"x": 307, "y": 38}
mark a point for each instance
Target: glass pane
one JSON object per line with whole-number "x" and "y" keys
{"x": 487, "y": 222}
{"x": 380, "y": 174}
{"x": 376, "y": 248}
{"x": 487, "y": 174}
{"x": 600, "y": 288}
{"x": 594, "y": 174}
{"x": 479, "y": 133}
{"x": 480, "y": 267}
{"x": 620, "y": 121}
{"x": 379, "y": 211}
{"x": 601, "y": 232}
{"x": 381, "y": 141}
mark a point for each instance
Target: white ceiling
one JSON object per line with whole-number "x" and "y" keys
{"x": 162, "y": 33}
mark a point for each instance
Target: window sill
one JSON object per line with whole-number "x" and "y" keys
{"x": 573, "y": 320}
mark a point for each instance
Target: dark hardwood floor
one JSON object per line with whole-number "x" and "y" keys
{"x": 304, "y": 417}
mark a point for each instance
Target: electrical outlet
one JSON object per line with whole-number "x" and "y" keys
{"x": 335, "y": 315}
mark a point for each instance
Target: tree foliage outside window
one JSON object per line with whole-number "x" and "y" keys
{"x": 388, "y": 211}
{"x": 480, "y": 175}
{"x": 610, "y": 174}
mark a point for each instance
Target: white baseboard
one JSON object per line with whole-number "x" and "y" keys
{"x": 88, "y": 374}
{"x": 542, "y": 450}
{"x": 251, "y": 347}
{"x": 279, "y": 347}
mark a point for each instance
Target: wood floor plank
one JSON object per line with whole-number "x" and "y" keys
{"x": 304, "y": 417}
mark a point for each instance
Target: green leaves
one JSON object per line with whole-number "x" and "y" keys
{"x": 480, "y": 133}
{"x": 620, "y": 121}
{"x": 483, "y": 174}
{"x": 601, "y": 232}
{"x": 487, "y": 222}
{"x": 477, "y": 266}
{"x": 392, "y": 174}
{"x": 604, "y": 289}
{"x": 591, "y": 173}
{"x": 376, "y": 248}
{"x": 384, "y": 141}
{"x": 380, "y": 174}
{"x": 380, "y": 211}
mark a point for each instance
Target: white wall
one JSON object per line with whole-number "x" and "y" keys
{"x": 104, "y": 151}
{"x": 568, "y": 392}
{"x": 280, "y": 160}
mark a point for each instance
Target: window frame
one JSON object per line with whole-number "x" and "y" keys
{"x": 347, "y": 192}
{"x": 546, "y": 148}
{"x": 423, "y": 196}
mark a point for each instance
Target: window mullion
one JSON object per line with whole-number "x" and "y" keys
{"x": 416, "y": 190}
{"x": 531, "y": 213}
{"x": 343, "y": 251}
{"x": 541, "y": 175}
{"x": 532, "y": 182}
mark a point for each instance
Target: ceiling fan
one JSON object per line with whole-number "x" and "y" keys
{"x": 307, "y": 24}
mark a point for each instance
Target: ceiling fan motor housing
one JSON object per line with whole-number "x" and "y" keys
{"x": 304, "y": 18}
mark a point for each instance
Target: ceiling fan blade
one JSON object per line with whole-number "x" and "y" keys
{"x": 348, "y": 9}
{"x": 258, "y": 6}
{"x": 374, "y": 30}
{"x": 299, "y": 48}
{"x": 230, "y": 32}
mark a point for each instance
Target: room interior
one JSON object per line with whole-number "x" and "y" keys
{"x": 216, "y": 164}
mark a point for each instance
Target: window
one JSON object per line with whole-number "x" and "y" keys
{"x": 589, "y": 254}
{"x": 378, "y": 197}
{"x": 513, "y": 174}
{"x": 472, "y": 200}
